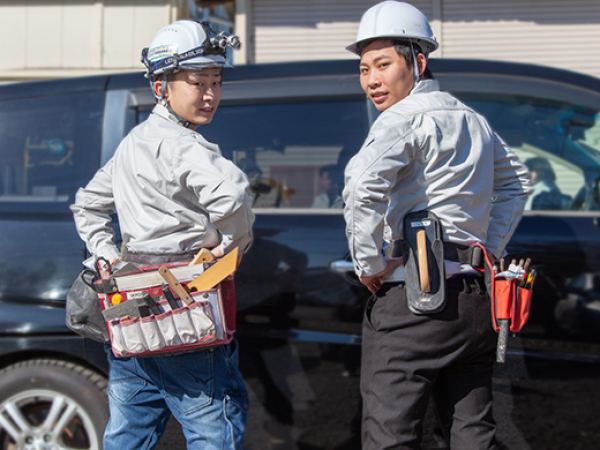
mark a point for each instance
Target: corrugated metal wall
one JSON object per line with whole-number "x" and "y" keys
{"x": 291, "y": 30}
{"x": 557, "y": 33}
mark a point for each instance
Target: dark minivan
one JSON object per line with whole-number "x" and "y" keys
{"x": 299, "y": 303}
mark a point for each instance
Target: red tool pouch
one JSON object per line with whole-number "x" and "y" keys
{"x": 510, "y": 300}
{"x": 168, "y": 325}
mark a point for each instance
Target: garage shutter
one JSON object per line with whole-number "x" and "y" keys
{"x": 294, "y": 30}
{"x": 557, "y": 33}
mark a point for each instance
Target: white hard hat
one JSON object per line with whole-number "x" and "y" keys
{"x": 186, "y": 44}
{"x": 395, "y": 20}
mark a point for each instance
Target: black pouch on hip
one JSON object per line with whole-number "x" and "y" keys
{"x": 423, "y": 251}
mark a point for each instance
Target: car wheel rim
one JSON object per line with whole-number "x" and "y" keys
{"x": 45, "y": 420}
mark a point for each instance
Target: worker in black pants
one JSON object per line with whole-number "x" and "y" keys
{"x": 408, "y": 357}
{"x": 431, "y": 182}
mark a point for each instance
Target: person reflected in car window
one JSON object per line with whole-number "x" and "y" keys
{"x": 263, "y": 195}
{"x": 545, "y": 195}
{"x": 330, "y": 185}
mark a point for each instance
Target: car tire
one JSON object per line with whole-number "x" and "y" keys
{"x": 51, "y": 404}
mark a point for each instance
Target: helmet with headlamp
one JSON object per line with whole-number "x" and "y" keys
{"x": 189, "y": 45}
{"x": 185, "y": 45}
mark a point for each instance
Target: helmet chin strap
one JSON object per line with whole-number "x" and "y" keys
{"x": 416, "y": 77}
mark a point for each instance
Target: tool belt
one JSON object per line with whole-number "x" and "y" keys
{"x": 452, "y": 252}
{"x": 424, "y": 252}
{"x": 156, "y": 310}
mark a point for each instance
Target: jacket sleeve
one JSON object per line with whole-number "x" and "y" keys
{"x": 92, "y": 210}
{"x": 220, "y": 188}
{"x": 512, "y": 186}
{"x": 369, "y": 179}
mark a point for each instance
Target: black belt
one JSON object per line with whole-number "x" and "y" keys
{"x": 452, "y": 252}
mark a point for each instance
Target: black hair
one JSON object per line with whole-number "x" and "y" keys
{"x": 403, "y": 48}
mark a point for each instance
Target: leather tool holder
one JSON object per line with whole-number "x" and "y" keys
{"x": 425, "y": 281}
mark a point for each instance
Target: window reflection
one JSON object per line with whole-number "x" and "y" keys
{"x": 288, "y": 145}
{"x": 48, "y": 149}
{"x": 560, "y": 139}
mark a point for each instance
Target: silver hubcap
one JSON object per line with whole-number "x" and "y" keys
{"x": 45, "y": 420}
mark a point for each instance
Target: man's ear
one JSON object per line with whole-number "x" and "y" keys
{"x": 421, "y": 63}
{"x": 157, "y": 86}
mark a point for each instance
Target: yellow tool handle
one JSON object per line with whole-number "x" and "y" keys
{"x": 215, "y": 273}
{"x": 175, "y": 285}
{"x": 204, "y": 255}
{"x": 422, "y": 254}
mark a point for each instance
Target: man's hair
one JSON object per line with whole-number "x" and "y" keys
{"x": 404, "y": 49}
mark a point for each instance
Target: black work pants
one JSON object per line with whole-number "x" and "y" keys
{"x": 407, "y": 358}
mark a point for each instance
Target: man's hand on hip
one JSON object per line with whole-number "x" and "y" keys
{"x": 374, "y": 282}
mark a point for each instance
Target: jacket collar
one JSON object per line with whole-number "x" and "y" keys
{"x": 163, "y": 112}
{"x": 424, "y": 86}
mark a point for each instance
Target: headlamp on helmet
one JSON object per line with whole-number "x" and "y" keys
{"x": 187, "y": 44}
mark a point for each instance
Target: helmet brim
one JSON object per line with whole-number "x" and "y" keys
{"x": 426, "y": 45}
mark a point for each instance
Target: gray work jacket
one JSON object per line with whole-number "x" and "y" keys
{"x": 173, "y": 192}
{"x": 431, "y": 152}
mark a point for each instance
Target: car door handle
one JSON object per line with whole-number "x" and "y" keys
{"x": 342, "y": 266}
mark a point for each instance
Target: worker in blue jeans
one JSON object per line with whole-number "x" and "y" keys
{"x": 203, "y": 391}
{"x": 174, "y": 194}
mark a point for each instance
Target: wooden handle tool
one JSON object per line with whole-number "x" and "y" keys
{"x": 215, "y": 273}
{"x": 204, "y": 255}
{"x": 422, "y": 255}
{"x": 174, "y": 284}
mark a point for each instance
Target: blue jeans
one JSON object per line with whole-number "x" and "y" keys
{"x": 204, "y": 391}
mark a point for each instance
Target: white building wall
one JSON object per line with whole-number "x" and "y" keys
{"x": 128, "y": 27}
{"x": 46, "y": 38}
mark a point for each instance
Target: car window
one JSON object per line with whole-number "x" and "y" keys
{"x": 558, "y": 141}
{"x": 295, "y": 153}
{"x": 49, "y": 147}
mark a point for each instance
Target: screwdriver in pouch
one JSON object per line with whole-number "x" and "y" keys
{"x": 152, "y": 305}
{"x": 169, "y": 296}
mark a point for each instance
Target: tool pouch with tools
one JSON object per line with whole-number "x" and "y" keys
{"x": 512, "y": 302}
{"x": 510, "y": 295}
{"x": 152, "y": 312}
{"x": 423, "y": 253}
